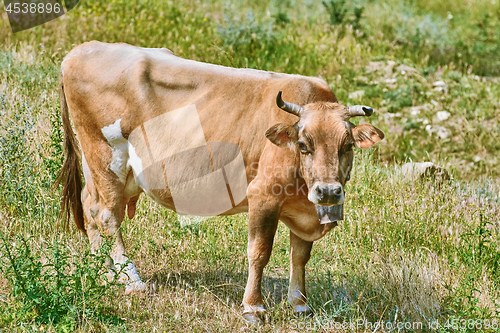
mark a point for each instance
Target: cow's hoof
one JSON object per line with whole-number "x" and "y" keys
{"x": 254, "y": 318}
{"x": 303, "y": 311}
{"x": 137, "y": 288}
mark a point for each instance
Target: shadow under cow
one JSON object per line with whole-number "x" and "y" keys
{"x": 228, "y": 286}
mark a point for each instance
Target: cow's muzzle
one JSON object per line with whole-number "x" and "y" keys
{"x": 330, "y": 214}
{"x": 325, "y": 194}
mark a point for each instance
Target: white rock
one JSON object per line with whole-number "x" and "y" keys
{"x": 442, "y": 115}
{"x": 424, "y": 170}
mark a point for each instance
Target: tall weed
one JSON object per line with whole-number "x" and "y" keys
{"x": 61, "y": 288}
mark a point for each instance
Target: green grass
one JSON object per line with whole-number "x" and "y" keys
{"x": 407, "y": 251}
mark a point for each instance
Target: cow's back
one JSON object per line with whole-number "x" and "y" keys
{"x": 155, "y": 81}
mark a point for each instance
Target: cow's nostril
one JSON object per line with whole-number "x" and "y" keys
{"x": 319, "y": 191}
{"x": 337, "y": 190}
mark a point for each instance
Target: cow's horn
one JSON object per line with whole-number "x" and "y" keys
{"x": 359, "y": 110}
{"x": 288, "y": 107}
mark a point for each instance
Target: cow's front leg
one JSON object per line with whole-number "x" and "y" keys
{"x": 262, "y": 226}
{"x": 300, "y": 252}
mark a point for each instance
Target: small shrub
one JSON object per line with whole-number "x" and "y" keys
{"x": 261, "y": 45}
{"x": 480, "y": 249}
{"x": 358, "y": 13}
{"x": 337, "y": 9}
{"x": 282, "y": 18}
{"x": 63, "y": 289}
{"x": 246, "y": 36}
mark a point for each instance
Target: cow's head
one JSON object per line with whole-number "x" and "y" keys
{"x": 325, "y": 138}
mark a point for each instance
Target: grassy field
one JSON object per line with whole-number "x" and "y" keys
{"x": 407, "y": 251}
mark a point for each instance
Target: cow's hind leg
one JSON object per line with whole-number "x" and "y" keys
{"x": 111, "y": 220}
{"x": 300, "y": 252}
{"x": 103, "y": 201}
{"x": 90, "y": 208}
{"x": 90, "y": 225}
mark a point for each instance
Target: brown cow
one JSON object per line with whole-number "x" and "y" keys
{"x": 148, "y": 121}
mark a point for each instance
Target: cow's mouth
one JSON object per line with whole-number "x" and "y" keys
{"x": 330, "y": 214}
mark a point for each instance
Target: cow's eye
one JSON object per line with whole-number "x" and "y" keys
{"x": 349, "y": 147}
{"x": 303, "y": 147}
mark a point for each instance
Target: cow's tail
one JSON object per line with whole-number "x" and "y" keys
{"x": 70, "y": 175}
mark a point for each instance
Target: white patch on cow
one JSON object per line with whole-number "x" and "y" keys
{"x": 119, "y": 146}
{"x": 129, "y": 271}
{"x": 129, "y": 276}
{"x": 135, "y": 162}
{"x": 113, "y": 132}
{"x": 311, "y": 196}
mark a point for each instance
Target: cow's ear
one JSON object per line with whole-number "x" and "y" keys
{"x": 366, "y": 135}
{"x": 282, "y": 134}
